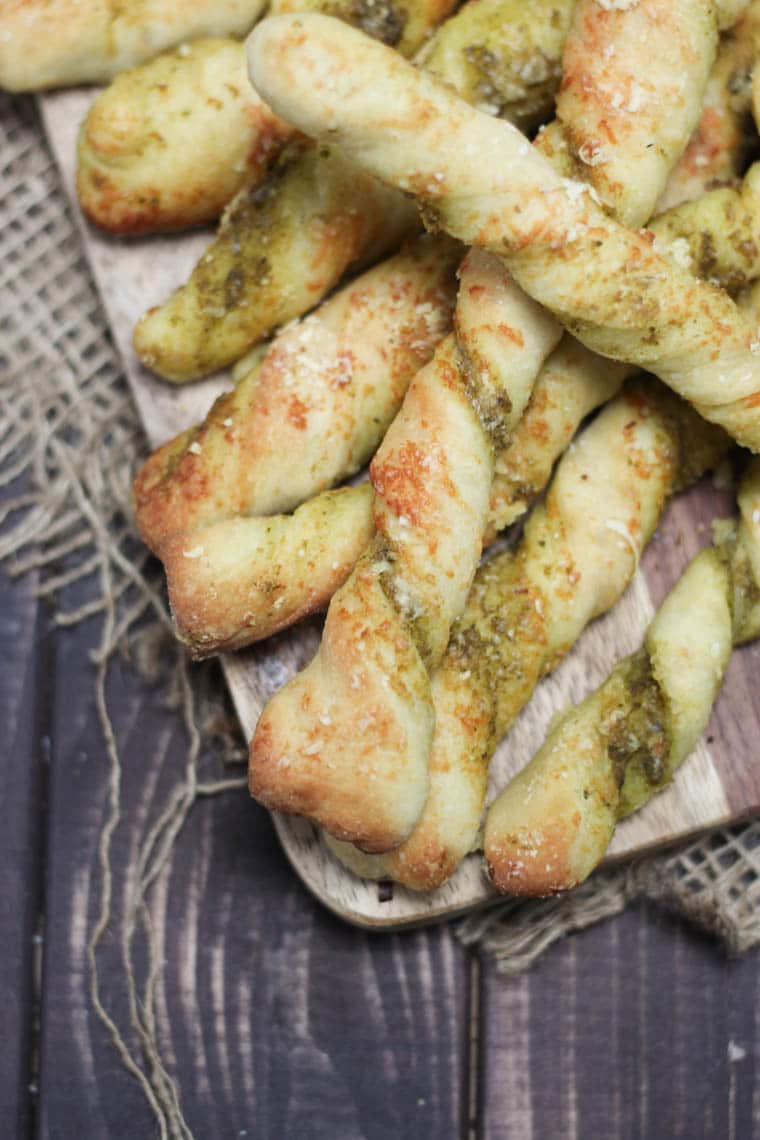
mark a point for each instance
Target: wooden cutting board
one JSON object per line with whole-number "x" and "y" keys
{"x": 718, "y": 784}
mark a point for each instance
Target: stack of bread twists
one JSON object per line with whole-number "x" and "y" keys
{"x": 463, "y": 390}
{"x": 386, "y": 628}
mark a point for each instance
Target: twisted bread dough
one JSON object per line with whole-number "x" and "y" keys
{"x": 466, "y": 722}
{"x": 610, "y": 109}
{"x": 415, "y": 516}
{"x": 571, "y": 384}
{"x": 503, "y": 57}
{"x": 54, "y": 43}
{"x": 528, "y": 606}
{"x": 325, "y": 391}
{"x": 223, "y": 600}
{"x": 470, "y": 715}
{"x": 551, "y": 825}
{"x": 243, "y": 579}
{"x": 432, "y": 478}
{"x": 607, "y": 284}
{"x": 205, "y": 325}
{"x": 284, "y": 242}
{"x": 717, "y": 150}
{"x": 168, "y": 144}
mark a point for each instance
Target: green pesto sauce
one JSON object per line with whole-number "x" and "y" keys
{"x": 382, "y": 19}
{"x": 634, "y": 723}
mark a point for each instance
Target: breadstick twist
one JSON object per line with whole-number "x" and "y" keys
{"x": 607, "y": 284}
{"x": 528, "y": 606}
{"x": 168, "y": 144}
{"x": 325, "y": 391}
{"x": 551, "y": 825}
{"x": 245, "y": 578}
{"x": 428, "y": 586}
{"x": 467, "y": 707}
{"x": 285, "y": 242}
{"x": 310, "y": 204}
{"x": 571, "y": 384}
{"x": 718, "y": 149}
{"x": 66, "y": 42}
{"x": 387, "y": 627}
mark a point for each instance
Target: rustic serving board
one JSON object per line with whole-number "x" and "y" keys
{"x": 719, "y": 783}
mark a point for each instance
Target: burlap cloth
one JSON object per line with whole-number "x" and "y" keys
{"x": 70, "y": 441}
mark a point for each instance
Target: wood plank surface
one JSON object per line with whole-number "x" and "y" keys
{"x": 24, "y": 637}
{"x": 277, "y": 1020}
{"x": 632, "y": 1030}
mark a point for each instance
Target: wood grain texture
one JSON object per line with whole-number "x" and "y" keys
{"x": 720, "y": 781}
{"x": 276, "y": 1019}
{"x": 633, "y": 1030}
{"x": 24, "y": 691}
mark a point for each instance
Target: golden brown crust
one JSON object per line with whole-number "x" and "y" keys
{"x": 325, "y": 390}
{"x": 169, "y": 143}
{"x": 360, "y": 777}
{"x": 244, "y": 579}
{"x": 610, "y": 106}
{"x": 549, "y": 828}
{"x": 281, "y": 246}
{"x": 432, "y": 477}
{"x": 717, "y": 151}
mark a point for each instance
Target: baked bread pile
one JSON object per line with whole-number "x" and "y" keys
{"x": 602, "y": 261}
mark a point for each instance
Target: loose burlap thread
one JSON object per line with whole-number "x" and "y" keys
{"x": 70, "y": 442}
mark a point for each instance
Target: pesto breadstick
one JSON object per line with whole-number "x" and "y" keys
{"x": 324, "y": 391}
{"x": 477, "y": 690}
{"x": 606, "y": 283}
{"x": 468, "y": 716}
{"x": 433, "y": 473}
{"x": 224, "y": 599}
{"x": 570, "y": 385}
{"x": 718, "y": 148}
{"x": 61, "y": 43}
{"x": 607, "y": 757}
{"x": 528, "y": 606}
{"x": 281, "y": 246}
{"x": 312, "y": 200}
{"x": 503, "y": 57}
{"x": 387, "y": 627}
{"x": 169, "y": 143}
{"x": 245, "y": 578}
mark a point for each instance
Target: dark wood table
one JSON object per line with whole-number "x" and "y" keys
{"x": 280, "y": 1022}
